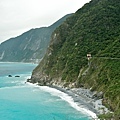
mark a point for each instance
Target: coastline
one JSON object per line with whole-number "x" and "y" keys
{"x": 79, "y": 102}
{"x": 81, "y": 99}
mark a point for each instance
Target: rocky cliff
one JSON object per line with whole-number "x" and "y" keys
{"x": 93, "y": 29}
{"x": 30, "y": 46}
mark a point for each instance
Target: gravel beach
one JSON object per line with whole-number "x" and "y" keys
{"x": 85, "y": 99}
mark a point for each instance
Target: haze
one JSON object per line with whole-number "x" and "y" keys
{"x": 18, "y": 16}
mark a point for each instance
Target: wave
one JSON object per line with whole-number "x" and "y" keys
{"x": 14, "y": 82}
{"x": 20, "y": 62}
{"x": 60, "y": 94}
{"x": 12, "y": 87}
{"x": 67, "y": 98}
{"x": 21, "y": 84}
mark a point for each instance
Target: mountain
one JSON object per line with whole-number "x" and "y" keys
{"x": 95, "y": 30}
{"x": 30, "y": 46}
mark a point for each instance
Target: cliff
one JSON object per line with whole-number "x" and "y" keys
{"x": 92, "y": 29}
{"x": 30, "y": 46}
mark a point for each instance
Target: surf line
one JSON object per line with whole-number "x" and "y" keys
{"x": 66, "y": 97}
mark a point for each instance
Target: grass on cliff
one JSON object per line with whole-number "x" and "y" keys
{"x": 103, "y": 75}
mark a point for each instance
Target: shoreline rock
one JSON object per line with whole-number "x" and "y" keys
{"x": 17, "y": 76}
{"x": 9, "y": 75}
{"x": 83, "y": 97}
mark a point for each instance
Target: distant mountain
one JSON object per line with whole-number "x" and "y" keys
{"x": 30, "y": 46}
{"x": 93, "y": 29}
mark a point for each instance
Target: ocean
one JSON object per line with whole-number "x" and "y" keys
{"x": 23, "y": 101}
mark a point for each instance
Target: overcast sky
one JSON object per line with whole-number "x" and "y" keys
{"x": 18, "y": 16}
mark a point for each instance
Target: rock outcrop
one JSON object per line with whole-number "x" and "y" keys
{"x": 93, "y": 29}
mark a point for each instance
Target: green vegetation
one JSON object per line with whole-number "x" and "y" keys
{"x": 92, "y": 29}
{"x": 29, "y": 46}
{"x": 103, "y": 75}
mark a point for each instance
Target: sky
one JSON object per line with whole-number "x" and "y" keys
{"x": 19, "y": 16}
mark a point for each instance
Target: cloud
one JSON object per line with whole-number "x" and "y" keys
{"x": 18, "y": 16}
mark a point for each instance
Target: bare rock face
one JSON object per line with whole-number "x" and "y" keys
{"x": 31, "y": 46}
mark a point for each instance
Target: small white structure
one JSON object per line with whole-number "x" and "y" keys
{"x": 89, "y": 56}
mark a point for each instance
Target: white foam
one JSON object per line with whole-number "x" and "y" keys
{"x": 11, "y": 87}
{"x": 23, "y": 78}
{"x": 67, "y": 98}
{"x": 31, "y": 84}
{"x": 28, "y": 77}
{"x": 21, "y": 62}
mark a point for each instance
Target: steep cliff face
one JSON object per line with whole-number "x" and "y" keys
{"x": 92, "y": 29}
{"x": 30, "y": 46}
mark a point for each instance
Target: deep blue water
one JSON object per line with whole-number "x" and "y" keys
{"x": 22, "y": 101}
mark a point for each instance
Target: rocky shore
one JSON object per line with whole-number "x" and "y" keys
{"x": 84, "y": 98}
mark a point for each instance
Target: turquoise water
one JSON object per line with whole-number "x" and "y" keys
{"x": 22, "y": 101}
